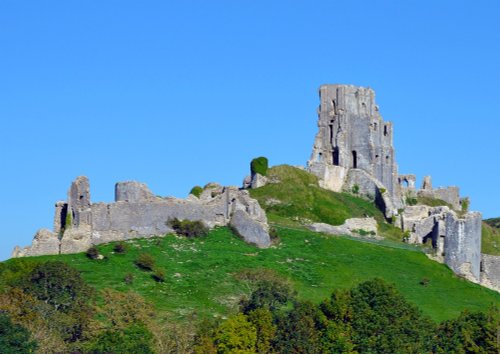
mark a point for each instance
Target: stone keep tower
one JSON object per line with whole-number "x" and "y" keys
{"x": 354, "y": 144}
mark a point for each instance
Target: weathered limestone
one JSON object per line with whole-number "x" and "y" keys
{"x": 249, "y": 229}
{"x": 463, "y": 245}
{"x": 44, "y": 242}
{"x": 353, "y": 135}
{"x": 132, "y": 192}
{"x": 456, "y": 240}
{"x": 138, "y": 213}
{"x": 351, "y": 227}
{"x": 254, "y": 181}
{"x": 490, "y": 276}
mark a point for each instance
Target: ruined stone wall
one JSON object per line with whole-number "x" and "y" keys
{"x": 490, "y": 275}
{"x": 138, "y": 213}
{"x": 463, "y": 244}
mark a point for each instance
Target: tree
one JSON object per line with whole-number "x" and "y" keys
{"x": 59, "y": 285}
{"x": 236, "y": 335}
{"x": 262, "y": 319}
{"x": 270, "y": 294}
{"x": 62, "y": 288}
{"x": 383, "y": 321}
{"x": 470, "y": 333}
{"x": 135, "y": 338}
{"x": 299, "y": 330}
{"x": 14, "y": 339}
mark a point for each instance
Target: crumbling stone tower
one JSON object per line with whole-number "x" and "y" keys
{"x": 354, "y": 144}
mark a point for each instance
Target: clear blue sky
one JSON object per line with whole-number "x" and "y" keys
{"x": 179, "y": 93}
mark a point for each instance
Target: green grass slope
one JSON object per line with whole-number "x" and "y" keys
{"x": 294, "y": 198}
{"x": 491, "y": 237}
{"x": 201, "y": 273}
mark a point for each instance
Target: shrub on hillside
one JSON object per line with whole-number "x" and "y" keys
{"x": 120, "y": 247}
{"x": 14, "y": 338}
{"x": 188, "y": 228}
{"x": 145, "y": 261}
{"x": 159, "y": 275}
{"x": 196, "y": 191}
{"x": 259, "y": 165}
{"x": 93, "y": 253}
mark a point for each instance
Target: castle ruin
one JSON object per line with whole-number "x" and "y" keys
{"x": 353, "y": 151}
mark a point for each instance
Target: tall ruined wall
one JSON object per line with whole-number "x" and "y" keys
{"x": 463, "y": 244}
{"x": 138, "y": 213}
{"x": 352, "y": 134}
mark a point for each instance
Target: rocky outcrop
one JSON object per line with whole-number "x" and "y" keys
{"x": 249, "y": 229}
{"x": 351, "y": 227}
{"x": 138, "y": 213}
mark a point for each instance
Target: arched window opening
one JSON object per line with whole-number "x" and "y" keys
{"x": 354, "y": 159}
{"x": 318, "y": 157}
{"x": 336, "y": 156}
{"x": 385, "y": 130}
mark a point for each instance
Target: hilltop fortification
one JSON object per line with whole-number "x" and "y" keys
{"x": 353, "y": 152}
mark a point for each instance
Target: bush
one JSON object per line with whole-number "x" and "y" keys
{"x": 411, "y": 201}
{"x": 159, "y": 275}
{"x": 355, "y": 189}
{"x": 196, "y": 191}
{"x": 93, "y": 253}
{"x": 259, "y": 165}
{"x": 145, "y": 261}
{"x": 273, "y": 234}
{"x": 188, "y": 228}
{"x": 14, "y": 338}
{"x": 120, "y": 247}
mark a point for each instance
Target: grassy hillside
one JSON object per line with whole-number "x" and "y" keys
{"x": 294, "y": 198}
{"x": 491, "y": 237}
{"x": 201, "y": 274}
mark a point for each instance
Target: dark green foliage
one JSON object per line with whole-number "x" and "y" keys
{"x": 268, "y": 294}
{"x": 493, "y": 222}
{"x": 355, "y": 189}
{"x": 188, "y": 228}
{"x": 93, "y": 253}
{"x": 145, "y": 261}
{"x": 120, "y": 247}
{"x": 259, "y": 165}
{"x": 196, "y": 191}
{"x": 383, "y": 321}
{"x": 470, "y": 333}
{"x": 411, "y": 201}
{"x": 159, "y": 275}
{"x": 59, "y": 285}
{"x": 299, "y": 330}
{"x": 273, "y": 234}
{"x": 14, "y": 339}
{"x": 135, "y": 338}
